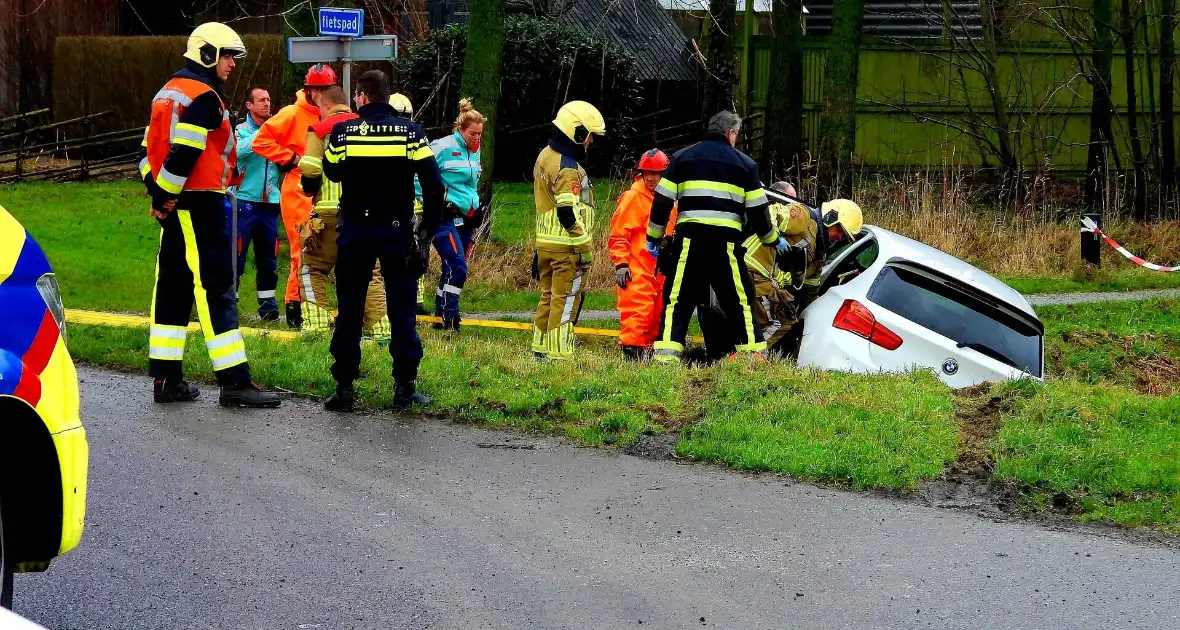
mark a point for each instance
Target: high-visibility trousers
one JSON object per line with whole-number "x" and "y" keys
{"x": 296, "y": 207}
{"x": 693, "y": 268}
{"x": 320, "y": 258}
{"x": 258, "y": 224}
{"x": 639, "y": 309}
{"x": 451, "y": 246}
{"x": 193, "y": 266}
{"x": 562, "y": 278}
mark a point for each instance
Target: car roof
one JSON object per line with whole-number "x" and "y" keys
{"x": 893, "y": 245}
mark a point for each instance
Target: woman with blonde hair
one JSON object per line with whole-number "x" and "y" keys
{"x": 459, "y": 160}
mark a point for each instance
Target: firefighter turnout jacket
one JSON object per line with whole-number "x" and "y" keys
{"x": 718, "y": 191}
{"x": 325, "y": 193}
{"x": 564, "y": 198}
{"x": 189, "y": 143}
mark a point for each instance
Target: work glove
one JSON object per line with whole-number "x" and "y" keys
{"x": 622, "y": 276}
{"x": 536, "y": 267}
{"x": 419, "y": 260}
{"x": 585, "y": 258}
{"x": 290, "y": 164}
{"x": 782, "y": 246}
{"x": 653, "y": 248}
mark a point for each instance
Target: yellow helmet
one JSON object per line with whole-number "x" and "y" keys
{"x": 846, "y": 214}
{"x": 576, "y": 114}
{"x": 402, "y": 105}
{"x": 210, "y": 41}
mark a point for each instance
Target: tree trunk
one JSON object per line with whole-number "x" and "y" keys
{"x": 784, "y": 102}
{"x": 1098, "y": 150}
{"x": 1167, "y": 96}
{"x": 838, "y": 115}
{"x": 481, "y": 77}
{"x": 299, "y": 22}
{"x": 722, "y": 75}
{"x": 1153, "y": 112}
{"x": 1140, "y": 204}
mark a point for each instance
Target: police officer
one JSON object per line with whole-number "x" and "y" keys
{"x": 375, "y": 158}
{"x": 189, "y": 156}
{"x": 719, "y": 194}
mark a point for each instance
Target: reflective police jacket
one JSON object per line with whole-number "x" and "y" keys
{"x": 718, "y": 192}
{"x": 564, "y": 198}
{"x": 325, "y": 194}
{"x": 189, "y": 143}
{"x": 375, "y": 158}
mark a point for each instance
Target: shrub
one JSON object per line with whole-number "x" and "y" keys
{"x": 545, "y": 64}
{"x": 95, "y": 74}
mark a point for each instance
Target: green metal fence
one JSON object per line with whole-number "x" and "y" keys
{"x": 918, "y": 107}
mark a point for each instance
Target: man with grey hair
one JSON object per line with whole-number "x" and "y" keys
{"x": 719, "y": 194}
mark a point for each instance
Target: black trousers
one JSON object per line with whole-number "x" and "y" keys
{"x": 193, "y": 267}
{"x": 354, "y": 270}
{"x": 697, "y": 269}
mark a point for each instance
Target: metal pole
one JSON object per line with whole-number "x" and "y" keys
{"x": 347, "y": 59}
{"x": 1092, "y": 243}
{"x": 233, "y": 231}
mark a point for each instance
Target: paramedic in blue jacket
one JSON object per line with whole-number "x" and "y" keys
{"x": 258, "y": 205}
{"x": 459, "y": 160}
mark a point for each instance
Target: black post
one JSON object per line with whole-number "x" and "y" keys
{"x": 1091, "y": 242}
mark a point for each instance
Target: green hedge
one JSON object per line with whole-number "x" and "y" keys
{"x": 94, "y": 74}
{"x": 535, "y": 81}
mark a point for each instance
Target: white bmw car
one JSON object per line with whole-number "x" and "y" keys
{"x": 891, "y": 304}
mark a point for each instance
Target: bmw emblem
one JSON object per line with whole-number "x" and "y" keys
{"x": 950, "y": 366}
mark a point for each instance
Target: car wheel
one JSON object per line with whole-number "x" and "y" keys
{"x": 5, "y": 568}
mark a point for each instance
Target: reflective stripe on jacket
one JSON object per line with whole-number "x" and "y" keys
{"x": 559, "y": 181}
{"x": 217, "y": 158}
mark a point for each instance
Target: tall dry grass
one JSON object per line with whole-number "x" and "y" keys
{"x": 1038, "y": 240}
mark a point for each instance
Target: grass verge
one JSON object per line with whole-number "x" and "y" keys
{"x": 1102, "y": 453}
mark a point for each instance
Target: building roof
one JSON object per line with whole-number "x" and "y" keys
{"x": 643, "y": 28}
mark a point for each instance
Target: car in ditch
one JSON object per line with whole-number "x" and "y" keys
{"x": 888, "y": 303}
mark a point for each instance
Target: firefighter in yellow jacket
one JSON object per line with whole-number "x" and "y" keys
{"x": 565, "y": 216}
{"x": 318, "y": 233}
{"x": 786, "y": 283}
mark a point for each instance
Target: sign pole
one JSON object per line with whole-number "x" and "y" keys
{"x": 347, "y": 59}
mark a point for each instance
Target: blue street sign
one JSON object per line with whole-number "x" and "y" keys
{"x": 342, "y": 22}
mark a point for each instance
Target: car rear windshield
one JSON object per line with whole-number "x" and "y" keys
{"x": 961, "y": 313}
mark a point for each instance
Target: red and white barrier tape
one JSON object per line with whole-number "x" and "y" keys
{"x": 1088, "y": 225}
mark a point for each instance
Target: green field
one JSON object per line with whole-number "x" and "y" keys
{"x": 1101, "y": 432}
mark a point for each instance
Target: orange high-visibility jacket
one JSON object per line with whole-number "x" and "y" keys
{"x": 639, "y": 303}
{"x": 217, "y": 160}
{"x": 283, "y": 136}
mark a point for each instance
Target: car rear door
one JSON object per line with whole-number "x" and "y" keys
{"x": 966, "y": 336}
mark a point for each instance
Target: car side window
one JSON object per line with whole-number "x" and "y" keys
{"x": 855, "y": 260}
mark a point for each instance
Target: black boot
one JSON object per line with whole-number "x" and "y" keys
{"x": 405, "y": 395}
{"x": 170, "y": 391}
{"x": 420, "y": 309}
{"x": 294, "y": 315}
{"x": 448, "y": 324}
{"x": 343, "y": 400}
{"x": 633, "y": 353}
{"x": 247, "y": 395}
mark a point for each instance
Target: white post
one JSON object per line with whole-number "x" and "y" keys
{"x": 347, "y": 65}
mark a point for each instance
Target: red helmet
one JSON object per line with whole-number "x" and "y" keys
{"x": 320, "y": 75}
{"x": 653, "y": 161}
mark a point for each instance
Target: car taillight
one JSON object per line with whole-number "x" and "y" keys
{"x": 857, "y": 319}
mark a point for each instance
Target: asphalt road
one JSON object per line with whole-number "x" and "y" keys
{"x": 205, "y": 518}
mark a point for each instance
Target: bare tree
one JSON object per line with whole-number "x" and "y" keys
{"x": 1137, "y": 157}
{"x": 838, "y": 116}
{"x": 784, "y": 108}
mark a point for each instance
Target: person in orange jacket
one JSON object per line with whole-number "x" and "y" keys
{"x": 283, "y": 140}
{"x": 640, "y": 287}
